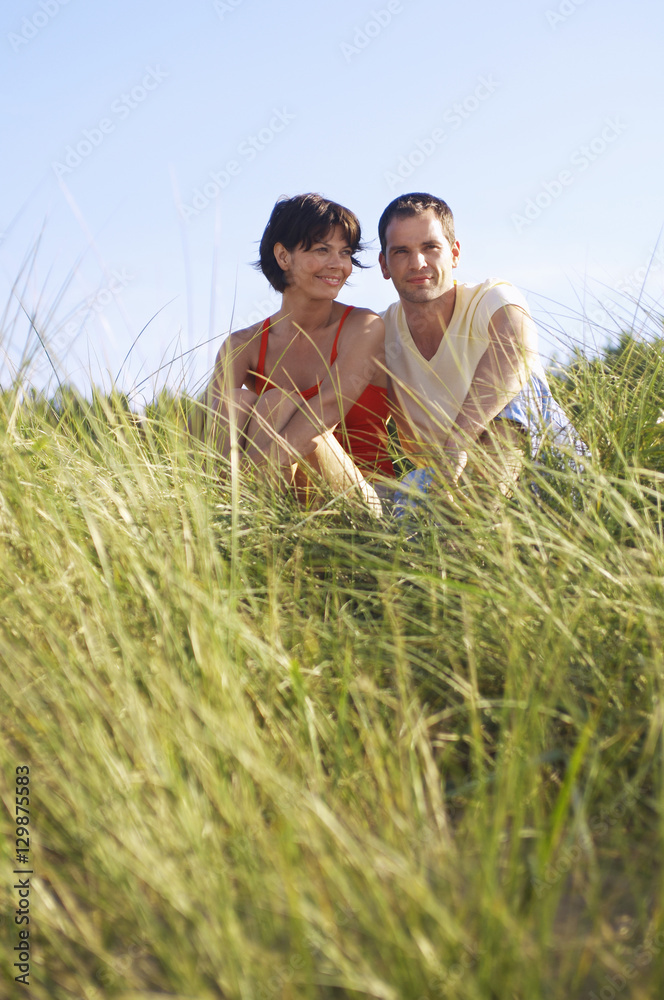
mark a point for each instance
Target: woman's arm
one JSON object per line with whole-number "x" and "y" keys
{"x": 229, "y": 404}
{"x": 360, "y": 360}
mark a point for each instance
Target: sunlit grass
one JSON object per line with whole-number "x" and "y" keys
{"x": 275, "y": 753}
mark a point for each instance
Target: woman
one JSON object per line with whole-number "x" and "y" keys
{"x": 306, "y": 388}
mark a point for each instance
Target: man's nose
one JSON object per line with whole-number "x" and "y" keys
{"x": 418, "y": 259}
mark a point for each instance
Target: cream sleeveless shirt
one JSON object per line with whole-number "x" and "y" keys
{"x": 430, "y": 393}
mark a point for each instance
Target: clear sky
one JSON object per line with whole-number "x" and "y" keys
{"x": 146, "y": 143}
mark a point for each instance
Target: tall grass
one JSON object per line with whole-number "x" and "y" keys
{"x": 279, "y": 753}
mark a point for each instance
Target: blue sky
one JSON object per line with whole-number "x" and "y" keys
{"x": 145, "y": 145}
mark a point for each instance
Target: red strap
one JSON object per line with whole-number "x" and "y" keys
{"x": 333, "y": 356}
{"x": 262, "y": 382}
{"x": 260, "y": 367}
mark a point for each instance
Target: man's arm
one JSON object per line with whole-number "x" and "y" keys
{"x": 502, "y": 372}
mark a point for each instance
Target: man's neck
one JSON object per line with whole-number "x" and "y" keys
{"x": 428, "y": 321}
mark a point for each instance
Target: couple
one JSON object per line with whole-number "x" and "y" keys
{"x": 311, "y": 388}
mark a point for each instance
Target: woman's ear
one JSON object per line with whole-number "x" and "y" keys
{"x": 282, "y": 256}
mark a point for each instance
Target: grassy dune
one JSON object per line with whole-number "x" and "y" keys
{"x": 285, "y": 754}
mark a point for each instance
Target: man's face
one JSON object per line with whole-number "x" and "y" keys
{"x": 418, "y": 258}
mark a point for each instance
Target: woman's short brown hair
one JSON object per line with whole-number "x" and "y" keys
{"x": 300, "y": 222}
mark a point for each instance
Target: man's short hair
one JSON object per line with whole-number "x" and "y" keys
{"x": 415, "y": 204}
{"x": 300, "y": 222}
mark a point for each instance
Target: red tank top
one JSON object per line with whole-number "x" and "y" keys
{"x": 362, "y": 432}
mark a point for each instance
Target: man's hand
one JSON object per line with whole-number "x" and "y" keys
{"x": 501, "y": 374}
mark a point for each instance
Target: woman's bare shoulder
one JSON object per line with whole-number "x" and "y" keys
{"x": 363, "y": 314}
{"x": 368, "y": 321}
{"x": 365, "y": 342}
{"x": 241, "y": 341}
{"x": 247, "y": 335}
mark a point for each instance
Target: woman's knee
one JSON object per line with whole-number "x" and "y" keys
{"x": 243, "y": 401}
{"x": 274, "y": 407}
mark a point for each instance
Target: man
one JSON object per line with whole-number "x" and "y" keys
{"x": 465, "y": 373}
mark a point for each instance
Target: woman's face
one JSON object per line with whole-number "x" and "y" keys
{"x": 323, "y": 269}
